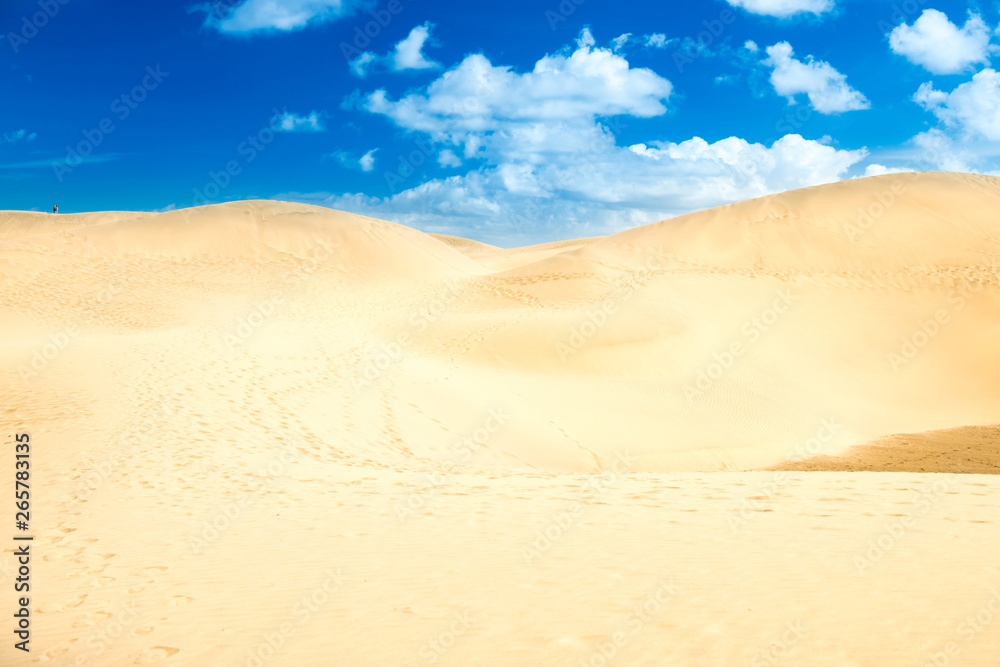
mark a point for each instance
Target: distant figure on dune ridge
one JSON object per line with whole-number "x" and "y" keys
{"x": 55, "y": 208}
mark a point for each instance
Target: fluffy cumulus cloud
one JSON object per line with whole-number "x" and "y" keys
{"x": 784, "y": 8}
{"x": 491, "y": 111}
{"x": 737, "y": 169}
{"x": 406, "y": 55}
{"x": 545, "y": 158}
{"x": 826, "y": 88}
{"x": 967, "y": 135}
{"x": 602, "y": 190}
{"x": 972, "y": 109}
{"x": 290, "y": 122}
{"x": 940, "y": 46}
{"x": 251, "y": 16}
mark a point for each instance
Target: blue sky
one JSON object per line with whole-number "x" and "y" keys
{"x": 511, "y": 123}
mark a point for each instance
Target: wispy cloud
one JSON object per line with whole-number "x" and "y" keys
{"x": 657, "y": 40}
{"x": 17, "y": 135}
{"x": 365, "y": 162}
{"x": 290, "y": 122}
{"x": 48, "y": 162}
{"x": 252, "y": 16}
{"x": 784, "y": 8}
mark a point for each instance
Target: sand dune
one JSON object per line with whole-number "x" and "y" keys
{"x": 718, "y": 340}
{"x": 240, "y": 406}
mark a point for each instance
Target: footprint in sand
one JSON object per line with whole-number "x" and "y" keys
{"x": 144, "y": 630}
{"x": 180, "y": 600}
{"x": 149, "y": 571}
{"x": 93, "y": 619}
{"x": 155, "y": 654}
{"x": 101, "y": 581}
{"x": 55, "y": 652}
{"x": 74, "y": 603}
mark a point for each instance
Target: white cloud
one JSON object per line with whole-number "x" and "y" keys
{"x": 543, "y": 157}
{"x": 784, "y": 8}
{"x": 367, "y": 161}
{"x": 603, "y": 190}
{"x": 17, "y": 135}
{"x": 967, "y": 136}
{"x": 408, "y": 53}
{"x": 882, "y": 170}
{"x": 620, "y": 41}
{"x": 826, "y": 88}
{"x": 490, "y": 110}
{"x": 548, "y": 162}
{"x": 940, "y": 46}
{"x": 361, "y": 65}
{"x": 657, "y": 40}
{"x": 943, "y": 152}
{"x": 447, "y": 158}
{"x": 938, "y": 149}
{"x": 750, "y": 46}
{"x": 364, "y": 162}
{"x": 269, "y": 15}
{"x": 289, "y": 122}
{"x": 972, "y": 109}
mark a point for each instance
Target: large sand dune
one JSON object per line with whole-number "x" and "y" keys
{"x": 228, "y": 401}
{"x": 718, "y": 340}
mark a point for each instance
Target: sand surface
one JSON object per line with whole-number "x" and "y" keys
{"x": 972, "y": 449}
{"x": 271, "y": 433}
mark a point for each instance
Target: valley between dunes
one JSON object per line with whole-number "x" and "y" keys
{"x": 268, "y": 433}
